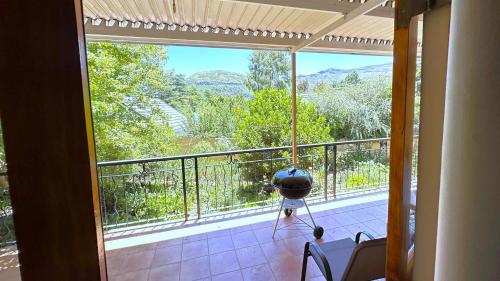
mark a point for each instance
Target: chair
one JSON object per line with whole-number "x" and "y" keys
{"x": 348, "y": 260}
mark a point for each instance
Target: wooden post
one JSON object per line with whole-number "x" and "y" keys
{"x": 294, "y": 110}
{"x": 49, "y": 145}
{"x": 403, "y": 97}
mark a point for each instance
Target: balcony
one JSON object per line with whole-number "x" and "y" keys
{"x": 212, "y": 215}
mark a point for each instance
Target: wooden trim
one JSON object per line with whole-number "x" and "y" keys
{"x": 49, "y": 145}
{"x": 294, "y": 110}
{"x": 403, "y": 98}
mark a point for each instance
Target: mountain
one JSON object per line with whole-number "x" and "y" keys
{"x": 334, "y": 75}
{"x": 219, "y": 81}
{"x": 232, "y": 83}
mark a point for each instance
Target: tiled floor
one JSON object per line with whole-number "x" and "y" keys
{"x": 246, "y": 252}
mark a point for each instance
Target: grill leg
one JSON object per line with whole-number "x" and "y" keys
{"x": 305, "y": 204}
{"x": 279, "y": 214}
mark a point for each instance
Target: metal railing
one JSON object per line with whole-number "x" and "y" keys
{"x": 201, "y": 185}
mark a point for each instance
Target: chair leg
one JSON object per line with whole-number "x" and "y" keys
{"x": 304, "y": 261}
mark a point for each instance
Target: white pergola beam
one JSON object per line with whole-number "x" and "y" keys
{"x": 329, "y": 6}
{"x": 116, "y": 33}
{"x": 359, "y": 11}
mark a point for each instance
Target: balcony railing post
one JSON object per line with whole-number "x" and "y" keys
{"x": 184, "y": 188}
{"x": 334, "y": 168}
{"x": 197, "y": 183}
{"x": 325, "y": 168}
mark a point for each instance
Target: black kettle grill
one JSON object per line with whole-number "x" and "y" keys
{"x": 294, "y": 185}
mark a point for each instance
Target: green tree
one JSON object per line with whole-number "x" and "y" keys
{"x": 358, "y": 111}
{"x": 124, "y": 79}
{"x": 266, "y": 122}
{"x": 303, "y": 86}
{"x": 268, "y": 70}
{"x": 214, "y": 116}
{"x": 352, "y": 78}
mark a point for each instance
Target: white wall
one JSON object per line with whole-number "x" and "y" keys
{"x": 468, "y": 239}
{"x": 434, "y": 67}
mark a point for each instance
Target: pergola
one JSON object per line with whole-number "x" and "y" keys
{"x": 341, "y": 26}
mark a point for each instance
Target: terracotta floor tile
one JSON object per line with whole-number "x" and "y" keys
{"x": 362, "y": 215}
{"x": 223, "y": 262}
{"x": 355, "y": 228}
{"x": 261, "y": 225}
{"x": 264, "y": 235}
{"x": 194, "y": 249}
{"x": 275, "y": 249}
{"x": 167, "y": 255}
{"x": 137, "y": 261}
{"x": 250, "y": 256}
{"x": 195, "y": 269}
{"x": 230, "y": 276}
{"x": 340, "y": 233}
{"x": 244, "y": 239}
{"x": 218, "y": 233}
{"x": 139, "y": 248}
{"x": 220, "y": 244}
{"x": 240, "y": 229}
{"x": 288, "y": 269}
{"x": 141, "y": 275}
{"x": 196, "y": 237}
{"x": 170, "y": 242}
{"x": 169, "y": 272}
{"x": 114, "y": 264}
{"x": 258, "y": 273}
{"x": 296, "y": 245}
{"x": 379, "y": 226}
{"x": 344, "y": 219}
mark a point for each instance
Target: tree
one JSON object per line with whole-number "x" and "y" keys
{"x": 268, "y": 70}
{"x": 352, "y": 78}
{"x": 303, "y": 86}
{"x": 214, "y": 116}
{"x": 124, "y": 78}
{"x": 266, "y": 122}
{"x": 358, "y": 111}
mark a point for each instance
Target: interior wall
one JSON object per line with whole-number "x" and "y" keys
{"x": 434, "y": 66}
{"x": 468, "y": 234}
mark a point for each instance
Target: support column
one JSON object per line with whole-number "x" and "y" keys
{"x": 434, "y": 68}
{"x": 468, "y": 245}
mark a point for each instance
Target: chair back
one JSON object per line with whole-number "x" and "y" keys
{"x": 367, "y": 261}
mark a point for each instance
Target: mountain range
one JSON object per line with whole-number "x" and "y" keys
{"x": 232, "y": 83}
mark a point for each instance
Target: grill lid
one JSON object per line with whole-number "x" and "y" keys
{"x": 292, "y": 178}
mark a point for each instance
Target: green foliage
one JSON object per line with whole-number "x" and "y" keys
{"x": 357, "y": 111}
{"x": 123, "y": 80}
{"x": 303, "y": 86}
{"x": 213, "y": 116}
{"x": 367, "y": 174}
{"x": 268, "y": 70}
{"x": 266, "y": 122}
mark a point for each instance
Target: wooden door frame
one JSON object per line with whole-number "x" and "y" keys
{"x": 49, "y": 144}
{"x": 403, "y": 99}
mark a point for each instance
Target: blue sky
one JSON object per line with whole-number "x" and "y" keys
{"x": 188, "y": 60}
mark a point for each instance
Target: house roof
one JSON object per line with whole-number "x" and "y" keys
{"x": 276, "y": 24}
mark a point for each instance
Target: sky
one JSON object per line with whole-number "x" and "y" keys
{"x": 188, "y": 60}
